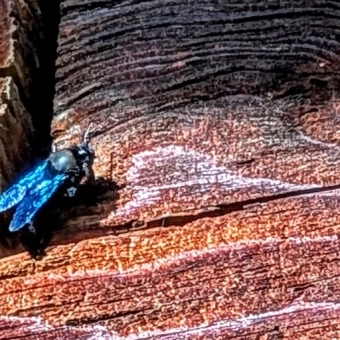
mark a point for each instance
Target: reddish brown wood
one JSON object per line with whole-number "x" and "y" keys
{"x": 241, "y": 273}
{"x": 219, "y": 121}
{"x": 18, "y": 62}
{"x": 16, "y": 130}
{"x": 20, "y": 34}
{"x": 17, "y": 50}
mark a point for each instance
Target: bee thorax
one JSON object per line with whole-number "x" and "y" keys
{"x": 63, "y": 160}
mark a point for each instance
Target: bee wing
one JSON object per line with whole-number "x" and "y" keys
{"x": 15, "y": 193}
{"x": 34, "y": 200}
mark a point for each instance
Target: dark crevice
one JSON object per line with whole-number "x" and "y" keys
{"x": 219, "y": 73}
{"x": 185, "y": 217}
{"x": 215, "y": 211}
{"x": 82, "y": 95}
{"x": 38, "y": 98}
{"x": 95, "y": 319}
{"x": 44, "y": 82}
{"x": 85, "y": 7}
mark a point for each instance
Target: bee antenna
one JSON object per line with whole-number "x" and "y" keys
{"x": 87, "y": 137}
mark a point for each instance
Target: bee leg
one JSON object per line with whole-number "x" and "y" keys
{"x": 31, "y": 241}
{"x": 71, "y": 191}
{"x": 89, "y": 173}
{"x": 31, "y": 228}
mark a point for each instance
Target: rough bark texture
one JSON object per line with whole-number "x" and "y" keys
{"x": 219, "y": 123}
{"x": 19, "y": 32}
{"x": 16, "y": 128}
{"x": 18, "y": 26}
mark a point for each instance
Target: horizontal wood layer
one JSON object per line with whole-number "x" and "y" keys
{"x": 268, "y": 262}
{"x": 219, "y": 122}
{"x": 175, "y": 101}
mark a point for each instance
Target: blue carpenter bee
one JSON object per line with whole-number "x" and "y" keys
{"x": 62, "y": 171}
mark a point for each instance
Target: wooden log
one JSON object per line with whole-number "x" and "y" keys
{"x": 19, "y": 33}
{"x": 16, "y": 131}
{"x": 219, "y": 124}
{"x": 18, "y": 63}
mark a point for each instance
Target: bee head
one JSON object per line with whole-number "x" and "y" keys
{"x": 76, "y": 160}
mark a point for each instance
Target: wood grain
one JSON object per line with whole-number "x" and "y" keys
{"x": 219, "y": 123}
{"x": 16, "y": 128}
{"x": 20, "y": 36}
{"x": 18, "y": 64}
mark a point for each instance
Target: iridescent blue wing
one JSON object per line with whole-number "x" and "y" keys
{"x": 34, "y": 200}
{"x": 15, "y": 193}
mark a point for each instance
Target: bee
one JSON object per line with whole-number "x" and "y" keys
{"x": 62, "y": 171}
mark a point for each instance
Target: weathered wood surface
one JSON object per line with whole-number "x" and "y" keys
{"x": 20, "y": 31}
{"x": 219, "y": 123}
